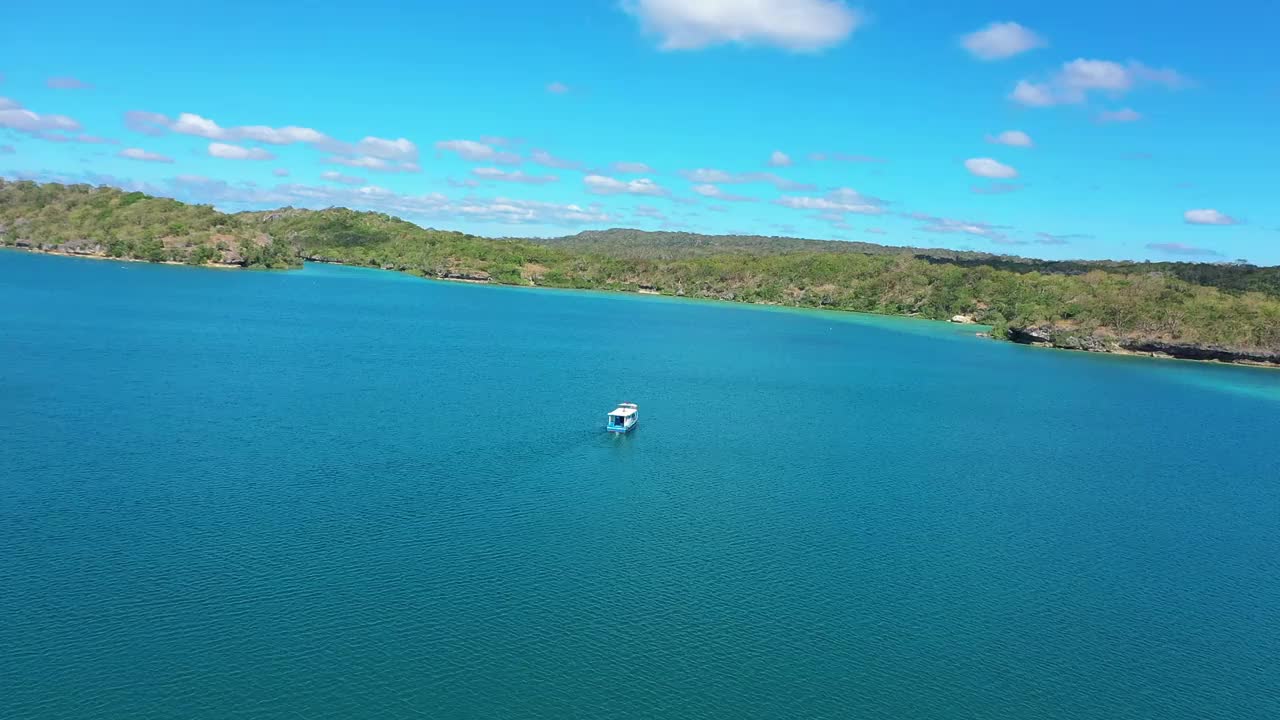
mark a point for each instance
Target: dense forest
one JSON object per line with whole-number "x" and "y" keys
{"x": 86, "y": 220}
{"x": 1093, "y": 305}
{"x": 1235, "y": 276}
{"x": 670, "y": 245}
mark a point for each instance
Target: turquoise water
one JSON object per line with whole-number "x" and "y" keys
{"x": 338, "y": 493}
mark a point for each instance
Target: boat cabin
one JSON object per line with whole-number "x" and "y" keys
{"x": 624, "y": 418}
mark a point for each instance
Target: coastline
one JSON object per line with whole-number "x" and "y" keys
{"x": 1119, "y": 351}
{"x": 1089, "y": 344}
{"x": 1031, "y": 336}
{"x": 103, "y": 256}
{"x": 1048, "y": 337}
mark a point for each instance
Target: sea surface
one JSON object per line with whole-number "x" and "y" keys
{"x": 344, "y": 493}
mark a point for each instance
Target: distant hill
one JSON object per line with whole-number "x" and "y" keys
{"x": 1195, "y": 310}
{"x": 1234, "y": 277}
{"x": 671, "y": 245}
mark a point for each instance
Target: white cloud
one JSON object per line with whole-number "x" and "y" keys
{"x": 649, "y": 211}
{"x": 227, "y": 151}
{"x": 467, "y": 149}
{"x": 147, "y": 123}
{"x": 710, "y": 175}
{"x": 80, "y": 138}
{"x": 1181, "y": 249}
{"x": 1168, "y": 77}
{"x": 67, "y": 83}
{"x": 15, "y": 117}
{"x": 1045, "y": 238}
{"x": 714, "y": 191}
{"x": 400, "y": 155}
{"x": 1208, "y": 216}
{"x": 632, "y": 168}
{"x": 780, "y": 183}
{"x": 943, "y": 225}
{"x": 477, "y": 152}
{"x": 362, "y": 161}
{"x": 436, "y": 207}
{"x": 334, "y": 176}
{"x": 192, "y": 124}
{"x": 546, "y": 159}
{"x": 144, "y": 156}
{"x": 720, "y": 177}
{"x": 779, "y": 159}
{"x": 7, "y": 150}
{"x": 604, "y": 185}
{"x": 499, "y": 140}
{"x": 1016, "y": 138}
{"x": 836, "y": 220}
{"x": 557, "y": 88}
{"x": 373, "y": 163}
{"x": 1125, "y": 115}
{"x": 842, "y": 200}
{"x": 998, "y": 41}
{"x": 796, "y": 25}
{"x": 516, "y": 176}
{"x": 280, "y": 172}
{"x": 1085, "y": 74}
{"x": 1033, "y": 94}
{"x": 989, "y": 168}
{"x": 1073, "y": 82}
{"x": 272, "y": 136}
{"x": 401, "y": 149}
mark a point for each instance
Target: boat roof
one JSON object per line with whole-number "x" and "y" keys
{"x": 624, "y": 411}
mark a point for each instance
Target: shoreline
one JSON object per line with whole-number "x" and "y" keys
{"x": 1099, "y": 347}
{"x": 95, "y": 256}
{"x": 1047, "y": 337}
{"x": 1138, "y": 354}
{"x": 1027, "y": 337}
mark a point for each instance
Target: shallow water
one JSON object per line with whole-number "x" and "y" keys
{"x": 341, "y": 493}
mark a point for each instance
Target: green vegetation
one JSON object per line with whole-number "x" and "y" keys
{"x": 379, "y": 240}
{"x": 671, "y": 245}
{"x": 1231, "y": 305}
{"x": 87, "y": 220}
{"x": 1238, "y": 276}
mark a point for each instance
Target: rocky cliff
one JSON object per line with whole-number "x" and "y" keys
{"x": 1047, "y": 336}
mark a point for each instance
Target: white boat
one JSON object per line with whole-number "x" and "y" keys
{"x": 624, "y": 418}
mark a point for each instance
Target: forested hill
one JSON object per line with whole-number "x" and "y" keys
{"x": 107, "y": 222}
{"x": 1190, "y": 310}
{"x": 669, "y": 245}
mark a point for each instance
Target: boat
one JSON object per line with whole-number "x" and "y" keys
{"x": 624, "y": 418}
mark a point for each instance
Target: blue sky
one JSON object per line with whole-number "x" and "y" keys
{"x": 1083, "y": 129}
